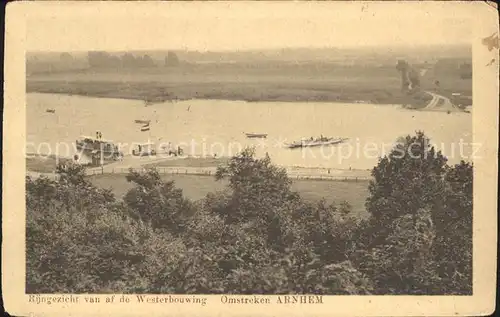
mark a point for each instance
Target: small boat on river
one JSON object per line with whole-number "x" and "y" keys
{"x": 256, "y": 135}
{"x": 142, "y": 121}
{"x": 316, "y": 142}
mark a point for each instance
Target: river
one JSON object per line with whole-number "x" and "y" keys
{"x": 208, "y": 127}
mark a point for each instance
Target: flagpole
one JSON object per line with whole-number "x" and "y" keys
{"x": 149, "y": 133}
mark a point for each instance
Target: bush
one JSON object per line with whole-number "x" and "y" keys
{"x": 158, "y": 203}
{"x": 414, "y": 178}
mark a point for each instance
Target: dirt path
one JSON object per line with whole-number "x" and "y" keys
{"x": 440, "y": 103}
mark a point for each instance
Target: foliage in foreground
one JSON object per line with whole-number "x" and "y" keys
{"x": 257, "y": 236}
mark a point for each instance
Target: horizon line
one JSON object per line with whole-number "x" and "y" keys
{"x": 248, "y": 50}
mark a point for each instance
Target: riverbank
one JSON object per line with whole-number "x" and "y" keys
{"x": 286, "y": 83}
{"x": 159, "y": 92}
{"x": 254, "y": 92}
{"x": 43, "y": 163}
{"x": 196, "y": 166}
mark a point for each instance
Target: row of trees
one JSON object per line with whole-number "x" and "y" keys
{"x": 257, "y": 236}
{"x": 103, "y": 59}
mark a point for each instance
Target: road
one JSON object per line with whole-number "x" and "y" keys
{"x": 440, "y": 103}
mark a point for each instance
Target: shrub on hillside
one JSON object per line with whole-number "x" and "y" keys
{"x": 78, "y": 239}
{"x": 156, "y": 202}
{"x": 412, "y": 178}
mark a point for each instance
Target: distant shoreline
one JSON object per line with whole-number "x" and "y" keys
{"x": 312, "y": 82}
{"x": 418, "y": 105}
{"x": 309, "y": 96}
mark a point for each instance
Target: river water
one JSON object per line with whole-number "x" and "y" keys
{"x": 208, "y": 127}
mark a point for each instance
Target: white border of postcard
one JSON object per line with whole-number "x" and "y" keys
{"x": 484, "y": 21}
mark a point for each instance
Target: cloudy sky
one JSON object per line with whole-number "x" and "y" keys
{"x": 242, "y": 25}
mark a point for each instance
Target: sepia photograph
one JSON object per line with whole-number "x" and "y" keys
{"x": 236, "y": 153}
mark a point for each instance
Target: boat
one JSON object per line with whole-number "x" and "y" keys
{"x": 256, "y": 135}
{"x": 51, "y": 110}
{"x": 142, "y": 121}
{"x": 316, "y": 142}
{"x": 98, "y": 147}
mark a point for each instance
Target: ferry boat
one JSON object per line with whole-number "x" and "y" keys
{"x": 316, "y": 142}
{"x": 98, "y": 147}
{"x": 256, "y": 135}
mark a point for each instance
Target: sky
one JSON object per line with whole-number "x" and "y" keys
{"x": 223, "y": 26}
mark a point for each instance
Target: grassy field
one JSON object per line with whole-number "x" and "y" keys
{"x": 277, "y": 82}
{"x": 191, "y": 162}
{"x": 47, "y": 163}
{"x": 43, "y": 164}
{"x": 197, "y": 187}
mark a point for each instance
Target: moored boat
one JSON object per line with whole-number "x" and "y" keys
{"x": 98, "y": 147}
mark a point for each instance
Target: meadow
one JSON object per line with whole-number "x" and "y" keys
{"x": 196, "y": 187}
{"x": 44, "y": 164}
{"x": 312, "y": 81}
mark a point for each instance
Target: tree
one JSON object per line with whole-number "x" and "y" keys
{"x": 147, "y": 61}
{"x": 158, "y": 203}
{"x": 171, "y": 59}
{"x": 258, "y": 187}
{"x": 454, "y": 229}
{"x": 80, "y": 240}
{"x": 406, "y": 180}
{"x": 413, "y": 182}
{"x": 465, "y": 70}
{"x": 410, "y": 78}
{"x": 66, "y": 58}
{"x": 128, "y": 60}
{"x": 404, "y": 262}
{"x": 98, "y": 59}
